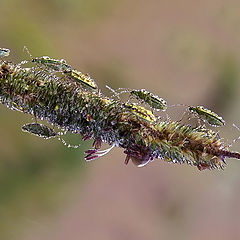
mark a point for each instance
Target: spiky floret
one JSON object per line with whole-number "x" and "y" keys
{"x": 92, "y": 115}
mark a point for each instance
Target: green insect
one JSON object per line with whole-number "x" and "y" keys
{"x": 140, "y": 112}
{"x": 46, "y": 132}
{"x": 152, "y": 100}
{"x": 4, "y": 52}
{"x": 39, "y": 130}
{"x": 148, "y": 98}
{"x": 50, "y": 63}
{"x": 202, "y": 114}
{"x": 83, "y": 79}
{"x": 207, "y": 116}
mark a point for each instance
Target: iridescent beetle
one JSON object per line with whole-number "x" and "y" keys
{"x": 4, "y": 52}
{"x": 152, "y": 100}
{"x": 83, "y": 79}
{"x": 141, "y": 112}
{"x": 207, "y": 115}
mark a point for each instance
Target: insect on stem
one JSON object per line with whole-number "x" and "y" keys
{"x": 71, "y": 101}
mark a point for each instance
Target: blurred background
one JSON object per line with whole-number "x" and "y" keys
{"x": 184, "y": 51}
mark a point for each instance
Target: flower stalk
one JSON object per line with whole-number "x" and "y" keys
{"x": 52, "y": 96}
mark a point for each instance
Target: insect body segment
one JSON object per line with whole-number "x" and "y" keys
{"x": 150, "y": 99}
{"x": 207, "y": 115}
{"x": 40, "y": 130}
{"x": 83, "y": 79}
{"x": 57, "y": 65}
{"x": 141, "y": 112}
{"x": 4, "y": 52}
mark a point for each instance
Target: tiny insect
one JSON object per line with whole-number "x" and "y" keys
{"x": 4, "y": 52}
{"x": 83, "y": 79}
{"x": 152, "y": 100}
{"x": 141, "y": 112}
{"x": 207, "y": 116}
{"x": 202, "y": 114}
{"x": 39, "y": 130}
{"x": 50, "y": 63}
{"x": 147, "y": 97}
{"x": 46, "y": 132}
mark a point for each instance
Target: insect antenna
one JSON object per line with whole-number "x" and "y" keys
{"x": 26, "y": 49}
{"x": 29, "y": 54}
{"x": 178, "y": 105}
{"x": 184, "y": 113}
{"x": 236, "y": 139}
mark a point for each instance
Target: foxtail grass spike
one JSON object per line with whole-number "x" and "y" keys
{"x": 66, "y": 105}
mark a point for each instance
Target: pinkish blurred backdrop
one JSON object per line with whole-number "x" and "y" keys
{"x": 185, "y": 51}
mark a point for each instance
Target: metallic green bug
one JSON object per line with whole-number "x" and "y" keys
{"x": 50, "y": 63}
{"x": 39, "y": 130}
{"x": 152, "y": 100}
{"x": 83, "y": 79}
{"x": 4, "y": 52}
{"x": 140, "y": 112}
{"x": 207, "y": 116}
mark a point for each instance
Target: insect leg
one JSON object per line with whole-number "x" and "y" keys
{"x": 115, "y": 93}
{"x": 65, "y": 143}
{"x": 236, "y": 139}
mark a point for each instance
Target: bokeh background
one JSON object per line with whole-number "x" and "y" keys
{"x": 185, "y": 51}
